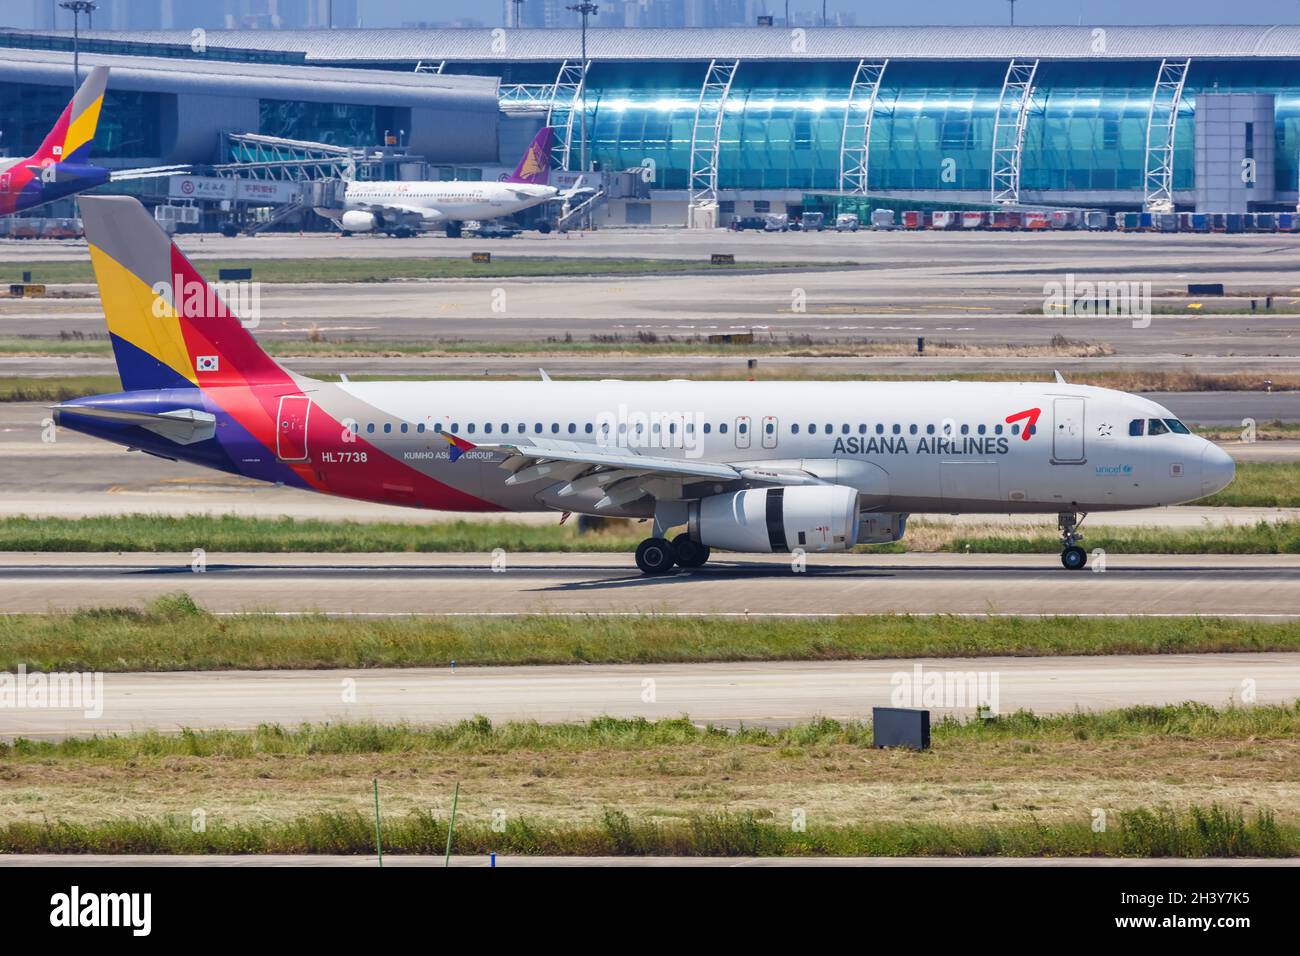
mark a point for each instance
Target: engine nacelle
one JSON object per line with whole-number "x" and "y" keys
{"x": 763, "y": 520}
{"x": 881, "y": 527}
{"x": 354, "y": 220}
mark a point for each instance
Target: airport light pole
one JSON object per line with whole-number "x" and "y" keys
{"x": 518, "y": 5}
{"x": 586, "y": 9}
{"x": 1013, "y": 11}
{"x": 77, "y": 8}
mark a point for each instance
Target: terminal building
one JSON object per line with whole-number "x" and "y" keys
{"x": 725, "y": 122}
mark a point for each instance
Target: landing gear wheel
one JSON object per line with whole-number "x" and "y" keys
{"x": 1074, "y": 558}
{"x": 655, "y": 556}
{"x": 688, "y": 553}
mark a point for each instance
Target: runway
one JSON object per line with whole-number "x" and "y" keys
{"x": 770, "y": 693}
{"x": 784, "y": 309}
{"x": 532, "y": 583}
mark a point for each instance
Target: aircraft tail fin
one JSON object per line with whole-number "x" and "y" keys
{"x": 70, "y": 139}
{"x": 168, "y": 326}
{"x": 535, "y": 167}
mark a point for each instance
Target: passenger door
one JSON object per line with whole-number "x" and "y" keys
{"x": 291, "y": 428}
{"x": 770, "y": 431}
{"x": 1067, "y": 431}
{"x": 742, "y": 431}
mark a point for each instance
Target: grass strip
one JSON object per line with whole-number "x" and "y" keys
{"x": 1209, "y": 832}
{"x": 360, "y": 269}
{"x": 235, "y": 533}
{"x": 479, "y": 735}
{"x": 173, "y": 633}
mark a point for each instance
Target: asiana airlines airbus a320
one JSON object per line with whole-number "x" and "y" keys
{"x": 755, "y": 467}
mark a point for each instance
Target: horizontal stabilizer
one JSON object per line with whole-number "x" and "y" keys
{"x": 184, "y": 426}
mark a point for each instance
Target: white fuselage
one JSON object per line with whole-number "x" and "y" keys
{"x": 906, "y": 447}
{"x": 434, "y": 202}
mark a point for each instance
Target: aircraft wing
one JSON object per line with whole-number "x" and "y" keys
{"x": 622, "y": 473}
{"x": 423, "y": 212}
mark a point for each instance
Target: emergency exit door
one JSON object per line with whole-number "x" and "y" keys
{"x": 291, "y": 428}
{"x": 1067, "y": 430}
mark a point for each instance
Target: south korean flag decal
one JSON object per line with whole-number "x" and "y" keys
{"x": 206, "y": 363}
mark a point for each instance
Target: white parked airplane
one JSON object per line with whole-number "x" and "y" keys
{"x": 740, "y": 466}
{"x": 405, "y": 208}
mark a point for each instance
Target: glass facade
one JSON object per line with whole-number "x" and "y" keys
{"x": 129, "y": 123}
{"x": 933, "y": 125}
{"x": 338, "y": 124}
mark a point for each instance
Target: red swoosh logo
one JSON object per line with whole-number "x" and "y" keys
{"x": 1030, "y": 415}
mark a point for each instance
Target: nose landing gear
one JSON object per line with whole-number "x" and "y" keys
{"x": 1073, "y": 557}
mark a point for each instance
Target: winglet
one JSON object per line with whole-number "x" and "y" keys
{"x": 1060, "y": 379}
{"x": 458, "y": 445}
{"x": 545, "y": 377}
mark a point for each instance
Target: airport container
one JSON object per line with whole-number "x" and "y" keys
{"x": 945, "y": 219}
{"x": 846, "y": 222}
{"x": 1037, "y": 220}
{"x": 1096, "y": 220}
{"x": 1235, "y": 222}
{"x": 1128, "y": 221}
{"x": 1066, "y": 218}
{"x": 973, "y": 220}
{"x": 1005, "y": 220}
{"x": 1165, "y": 221}
{"x": 882, "y": 219}
{"x": 1146, "y": 221}
{"x": 1286, "y": 222}
{"x": 913, "y": 219}
{"x": 1265, "y": 222}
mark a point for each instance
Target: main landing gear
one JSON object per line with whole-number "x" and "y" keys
{"x": 1073, "y": 557}
{"x": 659, "y": 555}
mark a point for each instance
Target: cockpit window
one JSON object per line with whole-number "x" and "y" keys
{"x": 1137, "y": 427}
{"x": 1156, "y": 427}
{"x": 1176, "y": 426}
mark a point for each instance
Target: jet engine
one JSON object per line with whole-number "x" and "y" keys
{"x": 355, "y": 220}
{"x": 812, "y": 517}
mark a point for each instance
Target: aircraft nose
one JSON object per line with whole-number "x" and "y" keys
{"x": 1217, "y": 469}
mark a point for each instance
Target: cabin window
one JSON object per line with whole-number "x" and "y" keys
{"x": 844, "y": 429}
{"x": 880, "y": 429}
{"x": 470, "y": 428}
{"x": 897, "y": 429}
{"x": 555, "y": 428}
{"x": 370, "y": 429}
{"x": 419, "y": 429}
{"x": 573, "y": 429}
{"x": 707, "y": 427}
{"x": 1015, "y": 429}
{"x": 722, "y": 428}
{"x": 769, "y": 428}
{"x": 388, "y": 427}
{"x": 588, "y": 428}
{"x": 405, "y": 427}
{"x": 455, "y": 427}
{"x": 912, "y": 429}
{"x": 862, "y": 429}
{"x": 997, "y": 429}
{"x": 522, "y": 428}
{"x": 981, "y": 429}
{"x": 965, "y": 429}
{"x": 743, "y": 427}
{"x": 929, "y": 429}
{"x": 794, "y": 429}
